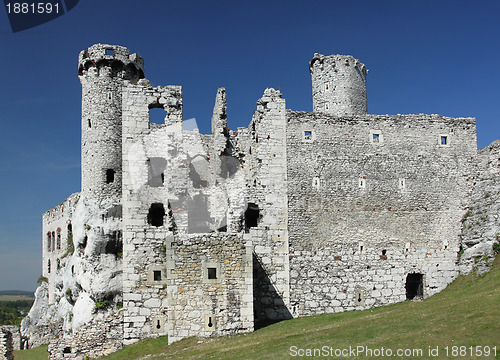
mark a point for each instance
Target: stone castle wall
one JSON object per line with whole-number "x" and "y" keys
{"x": 371, "y": 199}
{"x": 6, "y": 346}
{"x": 209, "y": 285}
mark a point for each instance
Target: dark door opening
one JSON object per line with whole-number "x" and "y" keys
{"x": 414, "y": 286}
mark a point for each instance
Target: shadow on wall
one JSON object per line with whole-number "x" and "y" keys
{"x": 268, "y": 304}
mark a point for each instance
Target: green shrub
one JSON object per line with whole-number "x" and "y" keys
{"x": 42, "y": 279}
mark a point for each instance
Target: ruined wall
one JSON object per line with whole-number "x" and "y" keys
{"x": 372, "y": 199}
{"x": 98, "y": 338}
{"x": 481, "y": 223}
{"x": 57, "y": 243}
{"x": 6, "y": 345}
{"x": 262, "y": 148}
{"x": 209, "y": 285}
{"x": 147, "y": 220}
{"x": 16, "y": 336}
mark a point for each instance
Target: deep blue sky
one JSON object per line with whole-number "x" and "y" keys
{"x": 436, "y": 57}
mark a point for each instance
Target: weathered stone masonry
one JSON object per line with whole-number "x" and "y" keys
{"x": 185, "y": 234}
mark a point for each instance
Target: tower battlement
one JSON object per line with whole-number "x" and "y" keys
{"x": 115, "y": 56}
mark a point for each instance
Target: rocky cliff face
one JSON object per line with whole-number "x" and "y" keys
{"x": 481, "y": 223}
{"x": 87, "y": 282}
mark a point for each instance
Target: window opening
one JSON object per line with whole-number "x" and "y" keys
{"x": 90, "y": 124}
{"x": 375, "y": 138}
{"x": 327, "y": 86}
{"x": 53, "y": 240}
{"x": 252, "y": 214}
{"x": 48, "y": 266}
{"x": 210, "y": 322}
{"x": 212, "y": 273}
{"x": 156, "y": 214}
{"x": 110, "y": 52}
{"x": 414, "y": 286}
{"x": 58, "y": 239}
{"x": 444, "y": 140}
{"x": 110, "y": 176}
{"x": 157, "y": 115}
{"x": 49, "y": 241}
{"x": 158, "y": 324}
{"x": 307, "y": 135}
{"x": 157, "y": 276}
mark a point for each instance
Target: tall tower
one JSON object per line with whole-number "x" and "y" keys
{"x": 103, "y": 70}
{"x": 338, "y": 84}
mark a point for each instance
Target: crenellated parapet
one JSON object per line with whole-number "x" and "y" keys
{"x": 118, "y": 58}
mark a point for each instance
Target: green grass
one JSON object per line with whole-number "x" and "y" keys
{"x": 467, "y": 313}
{"x": 39, "y": 353}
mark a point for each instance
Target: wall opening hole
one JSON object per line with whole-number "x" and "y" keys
{"x": 156, "y": 214}
{"x": 157, "y": 275}
{"x": 376, "y": 138}
{"x": 212, "y": 273}
{"x": 384, "y": 252}
{"x": 251, "y": 216}
{"x": 110, "y": 52}
{"x": 157, "y": 115}
{"x": 67, "y": 350}
{"x": 158, "y": 325}
{"x": 444, "y": 140}
{"x": 210, "y": 323}
{"x": 307, "y": 135}
{"x": 89, "y": 124}
{"x": 414, "y": 286}
{"x": 110, "y": 176}
{"x": 359, "y": 297}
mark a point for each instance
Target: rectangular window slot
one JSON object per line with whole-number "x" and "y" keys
{"x": 110, "y": 52}
{"x": 212, "y": 273}
{"x": 327, "y": 86}
{"x": 157, "y": 275}
{"x": 444, "y": 140}
{"x": 375, "y": 138}
{"x": 307, "y": 135}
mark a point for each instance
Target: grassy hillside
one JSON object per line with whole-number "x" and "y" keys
{"x": 467, "y": 314}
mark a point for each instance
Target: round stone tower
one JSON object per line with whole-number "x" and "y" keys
{"x": 338, "y": 84}
{"x": 103, "y": 70}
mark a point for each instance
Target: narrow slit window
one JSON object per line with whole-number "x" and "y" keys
{"x": 376, "y": 138}
{"x": 90, "y": 124}
{"x": 444, "y": 140}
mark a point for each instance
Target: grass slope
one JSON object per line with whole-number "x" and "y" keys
{"x": 467, "y": 313}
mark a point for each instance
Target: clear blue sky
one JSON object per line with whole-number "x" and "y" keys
{"x": 436, "y": 57}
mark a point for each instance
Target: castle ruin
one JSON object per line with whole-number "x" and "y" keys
{"x": 185, "y": 234}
